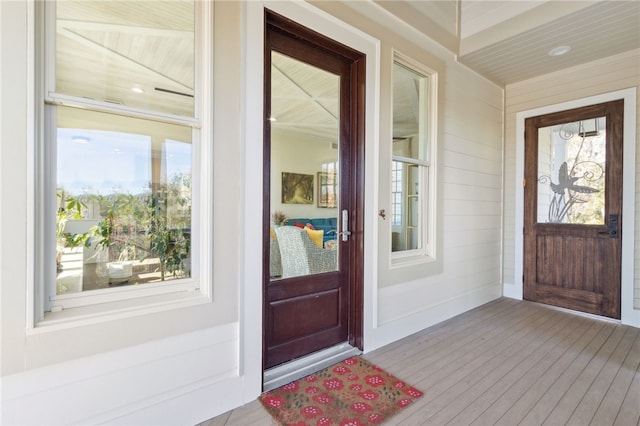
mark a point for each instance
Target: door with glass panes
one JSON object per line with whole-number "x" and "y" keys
{"x": 573, "y": 208}
{"x": 313, "y": 156}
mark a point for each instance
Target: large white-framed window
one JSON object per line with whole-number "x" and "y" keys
{"x": 412, "y": 173}
{"x": 119, "y": 213}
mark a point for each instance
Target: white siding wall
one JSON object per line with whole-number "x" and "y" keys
{"x": 598, "y": 77}
{"x": 471, "y": 201}
{"x": 469, "y": 180}
{"x": 192, "y": 363}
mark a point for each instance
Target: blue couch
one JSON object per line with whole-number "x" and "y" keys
{"x": 328, "y": 224}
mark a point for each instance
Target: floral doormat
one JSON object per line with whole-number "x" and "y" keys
{"x": 352, "y": 392}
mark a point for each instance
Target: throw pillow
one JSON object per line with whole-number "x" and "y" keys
{"x": 316, "y": 236}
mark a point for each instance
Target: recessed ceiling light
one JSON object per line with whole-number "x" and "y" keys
{"x": 559, "y": 51}
{"x": 80, "y": 139}
{"x": 273, "y": 119}
{"x": 137, "y": 90}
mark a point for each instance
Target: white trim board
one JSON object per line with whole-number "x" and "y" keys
{"x": 251, "y": 290}
{"x": 165, "y": 381}
{"x": 514, "y": 290}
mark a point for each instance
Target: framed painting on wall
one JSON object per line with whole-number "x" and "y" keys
{"x": 297, "y": 188}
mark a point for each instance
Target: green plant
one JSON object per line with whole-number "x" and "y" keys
{"x": 143, "y": 224}
{"x": 151, "y": 224}
{"x": 170, "y": 245}
{"x": 71, "y": 208}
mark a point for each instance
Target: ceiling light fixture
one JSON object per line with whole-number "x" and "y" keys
{"x": 80, "y": 139}
{"x": 559, "y": 51}
{"x": 137, "y": 90}
{"x": 273, "y": 119}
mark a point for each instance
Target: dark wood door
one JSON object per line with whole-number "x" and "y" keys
{"x": 573, "y": 209}
{"x": 313, "y": 151}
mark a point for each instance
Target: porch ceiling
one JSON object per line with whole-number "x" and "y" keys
{"x": 507, "y": 41}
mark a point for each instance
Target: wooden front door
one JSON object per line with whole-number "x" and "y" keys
{"x": 573, "y": 209}
{"x": 313, "y": 151}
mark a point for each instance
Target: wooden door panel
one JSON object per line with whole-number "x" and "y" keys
{"x": 304, "y": 315}
{"x": 279, "y": 289}
{"x": 574, "y": 260}
{"x": 579, "y": 300}
{"x": 308, "y": 311}
{"x": 303, "y": 325}
{"x": 579, "y": 265}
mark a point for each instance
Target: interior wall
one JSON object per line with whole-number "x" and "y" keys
{"x": 291, "y": 155}
{"x": 598, "y": 77}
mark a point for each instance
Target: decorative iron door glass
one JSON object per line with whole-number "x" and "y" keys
{"x": 571, "y": 173}
{"x": 304, "y": 169}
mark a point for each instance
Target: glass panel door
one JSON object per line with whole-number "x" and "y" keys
{"x": 571, "y": 172}
{"x": 305, "y": 110}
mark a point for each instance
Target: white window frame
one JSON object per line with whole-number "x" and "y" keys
{"x": 396, "y": 219}
{"x": 427, "y": 208}
{"x": 196, "y": 289}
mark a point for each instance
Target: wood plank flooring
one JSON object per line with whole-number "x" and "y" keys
{"x": 509, "y": 362}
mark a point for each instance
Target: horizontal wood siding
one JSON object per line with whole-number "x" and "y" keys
{"x": 607, "y": 75}
{"x": 164, "y": 379}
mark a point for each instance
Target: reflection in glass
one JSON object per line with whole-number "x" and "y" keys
{"x": 123, "y": 192}
{"x": 133, "y": 53}
{"x": 571, "y": 172}
{"x": 304, "y": 169}
{"x": 410, "y": 158}
{"x": 405, "y": 181}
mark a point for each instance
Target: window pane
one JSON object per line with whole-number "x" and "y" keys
{"x": 410, "y": 158}
{"x": 133, "y": 53}
{"x": 409, "y": 113}
{"x": 406, "y": 211}
{"x": 123, "y": 201}
{"x": 305, "y": 113}
{"x": 571, "y": 171}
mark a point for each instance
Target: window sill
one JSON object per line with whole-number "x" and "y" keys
{"x": 407, "y": 268}
{"x": 411, "y": 260}
{"x": 110, "y": 311}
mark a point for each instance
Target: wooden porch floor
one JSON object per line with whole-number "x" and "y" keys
{"x": 509, "y": 362}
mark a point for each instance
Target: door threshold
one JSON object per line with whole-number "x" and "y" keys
{"x": 301, "y": 367}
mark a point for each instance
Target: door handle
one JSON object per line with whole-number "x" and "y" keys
{"x": 345, "y": 226}
{"x": 613, "y": 226}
